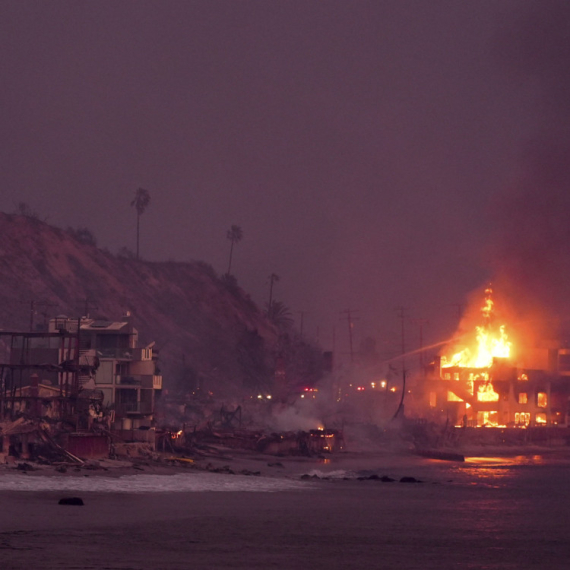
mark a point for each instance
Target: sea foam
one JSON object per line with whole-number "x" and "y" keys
{"x": 183, "y": 482}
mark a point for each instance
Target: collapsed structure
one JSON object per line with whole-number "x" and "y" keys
{"x": 75, "y": 386}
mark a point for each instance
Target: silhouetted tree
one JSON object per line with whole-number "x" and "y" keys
{"x": 126, "y": 253}
{"x": 304, "y": 362}
{"x": 24, "y": 209}
{"x": 83, "y": 235}
{"x": 140, "y": 202}
{"x": 272, "y": 279}
{"x": 235, "y": 235}
{"x": 254, "y": 362}
{"x": 279, "y": 314}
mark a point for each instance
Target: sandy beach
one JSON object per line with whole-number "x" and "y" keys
{"x": 500, "y": 513}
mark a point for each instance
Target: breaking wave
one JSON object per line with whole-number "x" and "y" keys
{"x": 337, "y": 474}
{"x": 183, "y": 482}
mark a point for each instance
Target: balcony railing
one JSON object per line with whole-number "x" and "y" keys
{"x": 133, "y": 408}
{"x": 140, "y": 380}
{"x": 116, "y": 353}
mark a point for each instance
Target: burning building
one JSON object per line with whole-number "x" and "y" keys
{"x": 490, "y": 382}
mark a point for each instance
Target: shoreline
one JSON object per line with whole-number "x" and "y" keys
{"x": 245, "y": 463}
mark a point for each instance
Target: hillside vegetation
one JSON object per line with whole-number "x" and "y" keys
{"x": 207, "y": 330}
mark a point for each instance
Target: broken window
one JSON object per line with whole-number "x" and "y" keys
{"x": 541, "y": 400}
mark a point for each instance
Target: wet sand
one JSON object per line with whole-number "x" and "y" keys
{"x": 493, "y": 514}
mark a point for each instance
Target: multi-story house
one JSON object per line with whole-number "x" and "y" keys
{"x": 125, "y": 373}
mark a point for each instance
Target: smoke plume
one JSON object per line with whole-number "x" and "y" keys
{"x": 530, "y": 254}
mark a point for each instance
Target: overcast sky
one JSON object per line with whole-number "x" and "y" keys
{"x": 359, "y": 144}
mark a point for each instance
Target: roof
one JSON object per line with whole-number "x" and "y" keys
{"x": 104, "y": 326}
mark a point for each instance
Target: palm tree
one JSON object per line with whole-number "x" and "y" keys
{"x": 235, "y": 235}
{"x": 280, "y": 315}
{"x": 272, "y": 278}
{"x": 141, "y": 201}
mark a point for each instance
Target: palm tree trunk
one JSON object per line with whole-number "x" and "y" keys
{"x": 138, "y": 233}
{"x": 231, "y": 253}
{"x": 270, "y": 304}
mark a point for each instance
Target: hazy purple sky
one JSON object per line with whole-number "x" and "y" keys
{"x": 359, "y": 144}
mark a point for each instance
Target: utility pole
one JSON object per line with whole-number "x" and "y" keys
{"x": 302, "y": 313}
{"x": 421, "y": 323}
{"x": 33, "y": 310}
{"x": 88, "y": 307}
{"x": 350, "y": 320}
{"x": 401, "y": 314}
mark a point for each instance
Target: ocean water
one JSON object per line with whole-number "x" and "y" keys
{"x": 489, "y": 513}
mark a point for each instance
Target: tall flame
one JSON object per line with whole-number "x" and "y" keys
{"x": 491, "y": 342}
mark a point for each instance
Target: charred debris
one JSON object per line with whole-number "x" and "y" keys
{"x": 87, "y": 389}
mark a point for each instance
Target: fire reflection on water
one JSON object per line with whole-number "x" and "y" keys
{"x": 489, "y": 470}
{"x": 493, "y": 462}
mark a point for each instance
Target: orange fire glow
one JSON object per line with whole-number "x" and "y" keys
{"x": 486, "y": 393}
{"x": 490, "y": 342}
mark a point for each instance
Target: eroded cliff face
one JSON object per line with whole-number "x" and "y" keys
{"x": 207, "y": 330}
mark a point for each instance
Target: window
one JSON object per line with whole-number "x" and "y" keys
{"x": 432, "y": 399}
{"x": 540, "y": 418}
{"x": 541, "y": 400}
{"x": 522, "y": 418}
{"x": 564, "y": 362}
{"x": 104, "y": 374}
{"x": 523, "y": 398}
